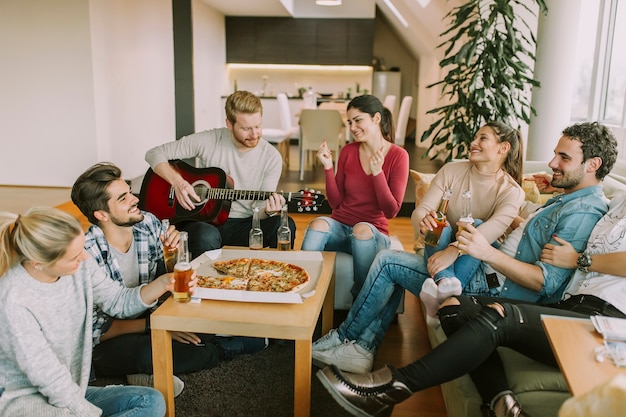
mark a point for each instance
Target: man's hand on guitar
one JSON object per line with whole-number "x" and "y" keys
{"x": 274, "y": 203}
{"x": 185, "y": 193}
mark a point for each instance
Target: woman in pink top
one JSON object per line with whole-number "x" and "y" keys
{"x": 367, "y": 189}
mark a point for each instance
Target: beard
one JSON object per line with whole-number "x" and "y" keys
{"x": 570, "y": 179}
{"x": 128, "y": 222}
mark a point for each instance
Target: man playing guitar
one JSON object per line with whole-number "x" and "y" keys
{"x": 238, "y": 150}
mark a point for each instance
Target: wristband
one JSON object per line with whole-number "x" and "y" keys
{"x": 271, "y": 214}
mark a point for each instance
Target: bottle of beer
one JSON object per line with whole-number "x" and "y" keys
{"x": 467, "y": 212}
{"x": 284, "y": 232}
{"x": 182, "y": 271}
{"x": 432, "y": 237}
{"x": 256, "y": 234}
{"x": 170, "y": 254}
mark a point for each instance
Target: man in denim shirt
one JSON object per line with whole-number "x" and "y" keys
{"x": 584, "y": 155}
{"x": 126, "y": 243}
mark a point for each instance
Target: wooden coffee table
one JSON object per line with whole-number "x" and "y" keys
{"x": 573, "y": 342}
{"x": 277, "y": 321}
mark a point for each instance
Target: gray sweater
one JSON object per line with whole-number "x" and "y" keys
{"x": 45, "y": 338}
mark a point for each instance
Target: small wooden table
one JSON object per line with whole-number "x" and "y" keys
{"x": 573, "y": 342}
{"x": 279, "y": 321}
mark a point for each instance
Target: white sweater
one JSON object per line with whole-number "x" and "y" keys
{"x": 45, "y": 338}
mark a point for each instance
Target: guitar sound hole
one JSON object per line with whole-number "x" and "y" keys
{"x": 201, "y": 188}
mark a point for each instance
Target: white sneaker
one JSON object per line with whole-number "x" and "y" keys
{"x": 348, "y": 357}
{"x": 145, "y": 380}
{"x": 328, "y": 341}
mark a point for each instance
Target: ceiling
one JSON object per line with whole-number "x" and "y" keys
{"x": 420, "y": 35}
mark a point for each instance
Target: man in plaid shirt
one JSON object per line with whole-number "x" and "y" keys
{"x": 127, "y": 243}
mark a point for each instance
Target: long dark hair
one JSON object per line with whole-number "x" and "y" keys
{"x": 371, "y": 105}
{"x": 514, "y": 162}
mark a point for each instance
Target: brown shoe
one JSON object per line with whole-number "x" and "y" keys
{"x": 506, "y": 405}
{"x": 371, "y": 394}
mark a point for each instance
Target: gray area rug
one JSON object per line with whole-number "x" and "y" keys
{"x": 258, "y": 385}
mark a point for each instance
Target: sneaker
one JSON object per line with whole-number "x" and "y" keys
{"x": 328, "y": 341}
{"x": 145, "y": 380}
{"x": 348, "y": 357}
{"x": 371, "y": 394}
{"x": 239, "y": 345}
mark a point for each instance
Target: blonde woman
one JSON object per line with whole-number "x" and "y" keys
{"x": 48, "y": 286}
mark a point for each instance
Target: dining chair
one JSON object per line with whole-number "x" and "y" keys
{"x": 280, "y": 137}
{"x": 316, "y": 126}
{"x": 390, "y": 103}
{"x": 403, "y": 119}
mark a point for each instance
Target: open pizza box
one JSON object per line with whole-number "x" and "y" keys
{"x": 311, "y": 261}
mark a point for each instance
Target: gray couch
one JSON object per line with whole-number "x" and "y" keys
{"x": 540, "y": 389}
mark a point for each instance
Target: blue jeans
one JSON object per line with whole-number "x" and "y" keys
{"x": 464, "y": 268}
{"x": 391, "y": 273}
{"x": 340, "y": 238}
{"x": 127, "y": 401}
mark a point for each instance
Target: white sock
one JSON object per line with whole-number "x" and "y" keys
{"x": 428, "y": 295}
{"x": 447, "y": 287}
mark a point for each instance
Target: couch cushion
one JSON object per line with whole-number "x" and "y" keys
{"x": 422, "y": 182}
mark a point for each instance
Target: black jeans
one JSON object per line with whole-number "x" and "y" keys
{"x": 234, "y": 232}
{"x": 475, "y": 331}
{"x": 132, "y": 354}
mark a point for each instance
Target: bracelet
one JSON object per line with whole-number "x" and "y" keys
{"x": 271, "y": 214}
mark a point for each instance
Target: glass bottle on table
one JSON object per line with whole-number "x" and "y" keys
{"x": 432, "y": 236}
{"x": 256, "y": 234}
{"x": 466, "y": 213}
{"x": 170, "y": 254}
{"x": 283, "y": 236}
{"x": 182, "y": 271}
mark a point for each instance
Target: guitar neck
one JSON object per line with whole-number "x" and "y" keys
{"x": 232, "y": 195}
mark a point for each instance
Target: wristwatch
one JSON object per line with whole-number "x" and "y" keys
{"x": 584, "y": 262}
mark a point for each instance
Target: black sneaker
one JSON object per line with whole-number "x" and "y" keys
{"x": 238, "y": 345}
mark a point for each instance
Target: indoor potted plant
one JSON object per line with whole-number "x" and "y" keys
{"x": 488, "y": 54}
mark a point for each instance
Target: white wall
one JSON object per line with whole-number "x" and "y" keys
{"x": 133, "y": 80}
{"x": 80, "y": 82}
{"x": 47, "y": 114}
{"x": 209, "y": 54}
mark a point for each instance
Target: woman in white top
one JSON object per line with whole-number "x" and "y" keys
{"x": 48, "y": 286}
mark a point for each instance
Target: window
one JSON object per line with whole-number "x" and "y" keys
{"x": 600, "y": 89}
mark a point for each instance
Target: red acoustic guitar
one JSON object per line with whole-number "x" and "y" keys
{"x": 216, "y": 192}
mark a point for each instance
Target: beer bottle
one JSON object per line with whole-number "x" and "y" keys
{"x": 256, "y": 234}
{"x": 432, "y": 236}
{"x": 283, "y": 236}
{"x": 467, "y": 212}
{"x": 182, "y": 271}
{"x": 169, "y": 254}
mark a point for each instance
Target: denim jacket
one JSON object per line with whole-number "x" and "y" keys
{"x": 149, "y": 257}
{"x": 571, "y": 217}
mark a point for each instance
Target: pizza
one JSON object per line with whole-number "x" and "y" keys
{"x": 256, "y": 275}
{"x": 235, "y": 267}
{"x": 222, "y": 282}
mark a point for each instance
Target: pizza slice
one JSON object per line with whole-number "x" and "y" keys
{"x": 235, "y": 267}
{"x": 222, "y": 282}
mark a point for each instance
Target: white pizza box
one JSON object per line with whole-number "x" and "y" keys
{"x": 309, "y": 260}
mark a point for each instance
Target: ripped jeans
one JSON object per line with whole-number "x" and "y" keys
{"x": 474, "y": 332}
{"x": 340, "y": 238}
